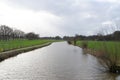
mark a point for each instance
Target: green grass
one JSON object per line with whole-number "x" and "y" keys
{"x": 19, "y": 43}
{"x": 111, "y": 46}
{"x": 109, "y": 49}
{"x": 107, "y": 52}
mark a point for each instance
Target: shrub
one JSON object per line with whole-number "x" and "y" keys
{"x": 84, "y": 44}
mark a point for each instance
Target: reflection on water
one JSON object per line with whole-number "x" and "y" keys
{"x": 58, "y": 61}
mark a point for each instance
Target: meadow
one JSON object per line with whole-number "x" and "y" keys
{"x": 20, "y": 43}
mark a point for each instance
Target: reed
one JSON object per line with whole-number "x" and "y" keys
{"x": 108, "y": 53}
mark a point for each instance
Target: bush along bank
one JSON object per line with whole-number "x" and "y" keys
{"x": 108, "y": 53}
{"x": 11, "y": 53}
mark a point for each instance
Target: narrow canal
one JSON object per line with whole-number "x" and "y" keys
{"x": 59, "y": 61}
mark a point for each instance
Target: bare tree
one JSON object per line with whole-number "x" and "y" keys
{"x": 5, "y": 32}
{"x": 18, "y": 34}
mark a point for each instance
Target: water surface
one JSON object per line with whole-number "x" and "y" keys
{"x": 59, "y": 61}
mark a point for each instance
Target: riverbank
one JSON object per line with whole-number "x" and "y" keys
{"x": 15, "y": 47}
{"x": 11, "y": 53}
{"x": 106, "y": 51}
{"x": 20, "y": 43}
{"x": 111, "y": 47}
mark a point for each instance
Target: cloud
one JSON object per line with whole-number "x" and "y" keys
{"x": 42, "y": 22}
{"x": 107, "y": 23}
{"x": 109, "y": 1}
{"x": 63, "y": 17}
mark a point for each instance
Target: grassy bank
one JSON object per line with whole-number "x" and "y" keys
{"x": 14, "y": 47}
{"x": 110, "y": 46}
{"x": 107, "y": 51}
{"x": 20, "y": 43}
{"x": 11, "y": 53}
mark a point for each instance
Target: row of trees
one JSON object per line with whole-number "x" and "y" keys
{"x": 7, "y": 33}
{"x": 56, "y": 38}
{"x": 115, "y": 36}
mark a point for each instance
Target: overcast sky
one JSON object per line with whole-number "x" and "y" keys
{"x": 60, "y": 17}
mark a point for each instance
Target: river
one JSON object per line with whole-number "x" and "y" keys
{"x": 58, "y": 61}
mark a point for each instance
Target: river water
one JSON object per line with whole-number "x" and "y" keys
{"x": 59, "y": 61}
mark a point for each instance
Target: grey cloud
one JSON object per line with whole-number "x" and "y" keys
{"x": 74, "y": 22}
{"x": 60, "y": 6}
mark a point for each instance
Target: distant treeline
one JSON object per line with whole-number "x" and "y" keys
{"x": 8, "y": 33}
{"x": 56, "y": 38}
{"x": 115, "y": 36}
